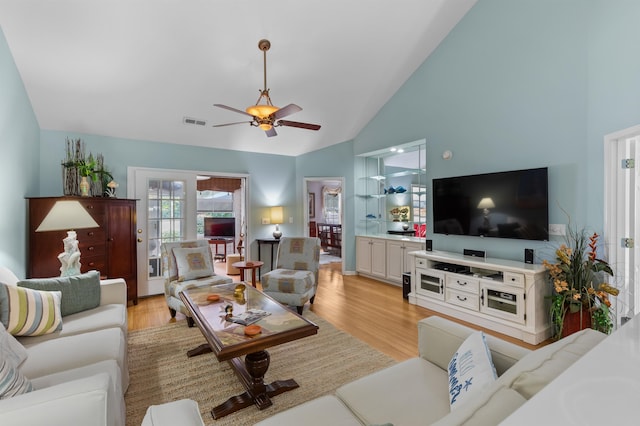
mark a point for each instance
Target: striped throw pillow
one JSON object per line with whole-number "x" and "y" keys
{"x": 26, "y": 312}
{"x": 12, "y": 381}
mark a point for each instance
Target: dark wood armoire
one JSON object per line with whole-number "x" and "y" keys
{"x": 109, "y": 249}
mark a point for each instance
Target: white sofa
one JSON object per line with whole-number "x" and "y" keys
{"x": 80, "y": 373}
{"x": 416, "y": 391}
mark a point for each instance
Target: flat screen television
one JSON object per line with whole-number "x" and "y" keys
{"x": 512, "y": 204}
{"x": 219, "y": 227}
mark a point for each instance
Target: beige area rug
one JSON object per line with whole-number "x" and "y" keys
{"x": 161, "y": 371}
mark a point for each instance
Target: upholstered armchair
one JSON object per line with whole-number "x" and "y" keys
{"x": 187, "y": 264}
{"x": 294, "y": 280}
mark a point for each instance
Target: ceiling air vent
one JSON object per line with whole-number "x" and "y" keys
{"x": 194, "y": 121}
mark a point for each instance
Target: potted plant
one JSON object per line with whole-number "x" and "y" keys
{"x": 86, "y": 169}
{"x": 580, "y": 293}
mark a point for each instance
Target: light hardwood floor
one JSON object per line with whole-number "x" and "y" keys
{"x": 370, "y": 310}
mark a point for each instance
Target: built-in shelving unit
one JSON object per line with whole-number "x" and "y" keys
{"x": 391, "y": 190}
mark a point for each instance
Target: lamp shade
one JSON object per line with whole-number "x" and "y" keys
{"x": 486, "y": 203}
{"x": 277, "y": 214}
{"x": 66, "y": 215}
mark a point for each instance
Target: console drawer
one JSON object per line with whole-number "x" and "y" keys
{"x": 463, "y": 283}
{"x": 463, "y": 299}
{"x": 514, "y": 279}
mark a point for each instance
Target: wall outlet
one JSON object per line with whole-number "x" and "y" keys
{"x": 557, "y": 229}
{"x": 266, "y": 221}
{"x": 290, "y": 219}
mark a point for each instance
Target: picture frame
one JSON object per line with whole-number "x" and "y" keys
{"x": 312, "y": 205}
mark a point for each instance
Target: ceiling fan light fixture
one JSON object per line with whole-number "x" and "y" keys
{"x": 262, "y": 110}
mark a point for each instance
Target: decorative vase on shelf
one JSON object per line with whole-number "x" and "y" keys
{"x": 405, "y": 226}
{"x": 84, "y": 186}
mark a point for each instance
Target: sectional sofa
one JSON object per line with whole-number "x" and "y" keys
{"x": 78, "y": 374}
{"x": 417, "y": 391}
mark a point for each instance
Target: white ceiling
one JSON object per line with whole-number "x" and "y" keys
{"x": 135, "y": 68}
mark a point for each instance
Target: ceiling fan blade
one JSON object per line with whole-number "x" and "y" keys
{"x": 298, "y": 124}
{"x": 271, "y": 132}
{"x": 287, "y": 110}
{"x": 231, "y": 124}
{"x": 233, "y": 109}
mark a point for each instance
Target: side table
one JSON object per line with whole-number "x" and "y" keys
{"x": 272, "y": 242}
{"x": 252, "y": 265}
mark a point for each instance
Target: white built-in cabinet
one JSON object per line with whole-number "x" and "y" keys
{"x": 385, "y": 257}
{"x": 398, "y": 260}
{"x": 371, "y": 256}
{"x": 506, "y": 296}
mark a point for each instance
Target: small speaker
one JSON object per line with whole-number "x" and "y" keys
{"x": 528, "y": 256}
{"x": 474, "y": 253}
{"x": 428, "y": 245}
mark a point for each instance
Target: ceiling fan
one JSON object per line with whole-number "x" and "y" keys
{"x": 265, "y": 115}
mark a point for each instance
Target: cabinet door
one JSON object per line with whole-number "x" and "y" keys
{"x": 363, "y": 255}
{"x": 408, "y": 260}
{"x": 121, "y": 248}
{"x": 378, "y": 258}
{"x": 395, "y": 260}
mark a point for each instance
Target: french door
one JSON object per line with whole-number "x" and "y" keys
{"x": 166, "y": 212}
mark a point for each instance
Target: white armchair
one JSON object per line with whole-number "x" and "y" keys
{"x": 295, "y": 279}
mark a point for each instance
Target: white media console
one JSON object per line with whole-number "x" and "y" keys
{"x": 502, "y": 295}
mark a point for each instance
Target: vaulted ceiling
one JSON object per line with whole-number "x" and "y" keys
{"x": 136, "y": 68}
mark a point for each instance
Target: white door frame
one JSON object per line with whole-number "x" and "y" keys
{"x": 620, "y": 211}
{"x": 305, "y": 188}
{"x": 148, "y": 287}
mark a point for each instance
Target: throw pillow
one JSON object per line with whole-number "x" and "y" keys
{"x": 193, "y": 263}
{"x": 12, "y": 381}
{"x": 470, "y": 369}
{"x": 11, "y": 349}
{"x": 79, "y": 292}
{"x": 26, "y": 312}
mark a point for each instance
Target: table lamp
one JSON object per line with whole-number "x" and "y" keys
{"x": 277, "y": 216}
{"x": 485, "y": 204}
{"x": 68, "y": 215}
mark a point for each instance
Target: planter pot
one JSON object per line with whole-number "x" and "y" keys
{"x": 575, "y": 321}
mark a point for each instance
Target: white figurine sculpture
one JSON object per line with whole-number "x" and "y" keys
{"x": 70, "y": 259}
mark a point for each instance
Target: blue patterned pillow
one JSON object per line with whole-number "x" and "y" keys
{"x": 12, "y": 382}
{"x": 470, "y": 369}
{"x": 26, "y": 312}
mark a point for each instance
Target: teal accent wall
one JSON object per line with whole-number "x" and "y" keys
{"x": 334, "y": 161}
{"x": 516, "y": 84}
{"x": 19, "y": 171}
{"x": 270, "y": 181}
{"x": 522, "y": 84}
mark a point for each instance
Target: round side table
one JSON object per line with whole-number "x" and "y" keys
{"x": 253, "y": 265}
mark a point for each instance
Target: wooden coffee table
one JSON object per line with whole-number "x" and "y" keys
{"x": 228, "y": 341}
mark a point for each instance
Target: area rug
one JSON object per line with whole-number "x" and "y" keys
{"x": 161, "y": 371}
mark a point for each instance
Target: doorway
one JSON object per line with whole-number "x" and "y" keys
{"x": 621, "y": 221}
{"x": 171, "y": 207}
{"x": 324, "y": 215}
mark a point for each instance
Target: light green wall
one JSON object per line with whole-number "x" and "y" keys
{"x": 517, "y": 84}
{"x": 334, "y": 161}
{"x": 520, "y": 84}
{"x": 270, "y": 183}
{"x": 19, "y": 139}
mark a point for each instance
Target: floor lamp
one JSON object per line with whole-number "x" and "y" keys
{"x": 68, "y": 215}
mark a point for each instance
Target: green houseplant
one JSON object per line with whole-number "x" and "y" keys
{"x": 579, "y": 287}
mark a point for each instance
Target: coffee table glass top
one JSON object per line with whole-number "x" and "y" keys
{"x": 228, "y": 339}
